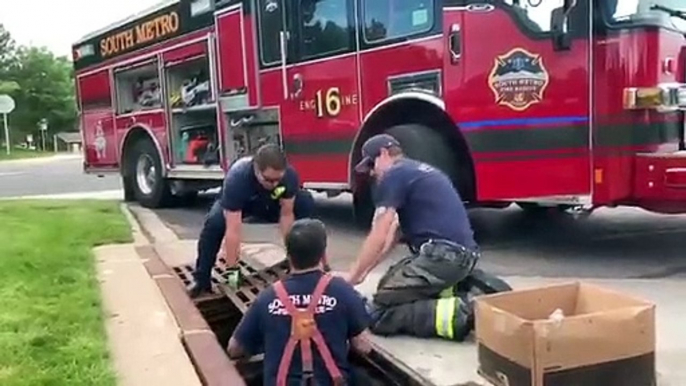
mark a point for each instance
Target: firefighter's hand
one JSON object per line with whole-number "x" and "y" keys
{"x": 352, "y": 279}
{"x": 222, "y": 262}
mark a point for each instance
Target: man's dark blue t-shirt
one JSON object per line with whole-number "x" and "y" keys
{"x": 340, "y": 315}
{"x": 427, "y": 204}
{"x": 242, "y": 191}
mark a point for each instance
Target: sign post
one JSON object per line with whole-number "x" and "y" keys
{"x": 43, "y": 125}
{"x": 6, "y": 106}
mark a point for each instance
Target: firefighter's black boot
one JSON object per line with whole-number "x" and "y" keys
{"x": 197, "y": 292}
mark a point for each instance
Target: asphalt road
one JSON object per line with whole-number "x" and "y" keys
{"x": 50, "y": 176}
{"x": 612, "y": 243}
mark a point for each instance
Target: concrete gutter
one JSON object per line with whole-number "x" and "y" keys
{"x": 208, "y": 358}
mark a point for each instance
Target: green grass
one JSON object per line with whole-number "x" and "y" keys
{"x": 22, "y": 153}
{"x": 51, "y": 323}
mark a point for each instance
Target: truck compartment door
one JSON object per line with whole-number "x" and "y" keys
{"x": 236, "y": 58}
{"x": 97, "y": 121}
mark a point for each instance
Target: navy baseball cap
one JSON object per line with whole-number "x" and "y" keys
{"x": 372, "y": 149}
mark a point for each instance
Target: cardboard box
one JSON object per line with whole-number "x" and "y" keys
{"x": 606, "y": 338}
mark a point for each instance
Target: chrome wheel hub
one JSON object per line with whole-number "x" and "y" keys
{"x": 145, "y": 174}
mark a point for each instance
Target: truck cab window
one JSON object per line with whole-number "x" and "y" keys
{"x": 535, "y": 14}
{"x": 389, "y": 19}
{"x": 324, "y": 27}
{"x": 271, "y": 17}
{"x": 618, "y": 11}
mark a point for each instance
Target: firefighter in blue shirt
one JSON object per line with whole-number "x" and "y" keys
{"x": 421, "y": 294}
{"x": 309, "y": 306}
{"x": 262, "y": 188}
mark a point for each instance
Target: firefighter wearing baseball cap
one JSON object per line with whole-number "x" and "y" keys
{"x": 418, "y": 295}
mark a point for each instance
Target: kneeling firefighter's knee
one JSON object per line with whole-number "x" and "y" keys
{"x": 453, "y": 318}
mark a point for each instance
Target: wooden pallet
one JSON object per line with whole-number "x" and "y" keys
{"x": 253, "y": 281}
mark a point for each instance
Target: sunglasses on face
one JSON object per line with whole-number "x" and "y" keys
{"x": 269, "y": 180}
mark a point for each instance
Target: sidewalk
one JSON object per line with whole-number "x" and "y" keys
{"x": 453, "y": 364}
{"x": 143, "y": 335}
{"x": 668, "y": 295}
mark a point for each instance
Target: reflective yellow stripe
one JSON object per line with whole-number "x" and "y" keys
{"x": 445, "y": 313}
{"x": 438, "y": 319}
{"x": 451, "y": 316}
{"x": 446, "y": 293}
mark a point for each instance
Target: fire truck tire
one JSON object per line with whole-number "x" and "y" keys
{"x": 534, "y": 209}
{"x": 150, "y": 188}
{"x": 423, "y": 144}
{"x": 129, "y": 191}
{"x": 363, "y": 207}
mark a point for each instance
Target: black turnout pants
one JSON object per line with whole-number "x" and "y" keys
{"x": 418, "y": 296}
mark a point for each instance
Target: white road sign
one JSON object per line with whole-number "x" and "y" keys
{"x": 6, "y": 104}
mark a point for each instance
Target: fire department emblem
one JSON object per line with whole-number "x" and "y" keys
{"x": 518, "y": 79}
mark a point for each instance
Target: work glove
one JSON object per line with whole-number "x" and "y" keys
{"x": 233, "y": 277}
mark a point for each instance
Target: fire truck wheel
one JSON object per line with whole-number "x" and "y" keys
{"x": 145, "y": 167}
{"x": 534, "y": 209}
{"x": 129, "y": 191}
{"x": 423, "y": 144}
{"x": 363, "y": 207}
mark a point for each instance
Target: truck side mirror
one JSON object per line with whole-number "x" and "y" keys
{"x": 558, "y": 27}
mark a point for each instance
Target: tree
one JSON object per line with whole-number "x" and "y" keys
{"x": 41, "y": 84}
{"x": 7, "y": 60}
{"x": 46, "y": 90}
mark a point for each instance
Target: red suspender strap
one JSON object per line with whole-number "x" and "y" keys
{"x": 287, "y": 357}
{"x": 304, "y": 321}
{"x": 323, "y": 349}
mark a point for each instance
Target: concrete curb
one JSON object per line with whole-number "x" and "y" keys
{"x": 39, "y": 160}
{"x": 209, "y": 359}
{"x": 106, "y": 195}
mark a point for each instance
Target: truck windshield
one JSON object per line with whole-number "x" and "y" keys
{"x": 628, "y": 11}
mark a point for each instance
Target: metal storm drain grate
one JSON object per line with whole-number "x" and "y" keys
{"x": 253, "y": 282}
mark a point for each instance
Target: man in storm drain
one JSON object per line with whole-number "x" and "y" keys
{"x": 311, "y": 310}
{"x": 263, "y": 188}
{"x": 427, "y": 294}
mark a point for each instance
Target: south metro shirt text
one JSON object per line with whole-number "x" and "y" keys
{"x": 340, "y": 316}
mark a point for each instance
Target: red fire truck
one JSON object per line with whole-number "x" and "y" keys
{"x": 563, "y": 103}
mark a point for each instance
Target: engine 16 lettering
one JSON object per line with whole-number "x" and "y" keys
{"x": 328, "y": 102}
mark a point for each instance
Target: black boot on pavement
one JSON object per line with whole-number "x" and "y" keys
{"x": 197, "y": 292}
